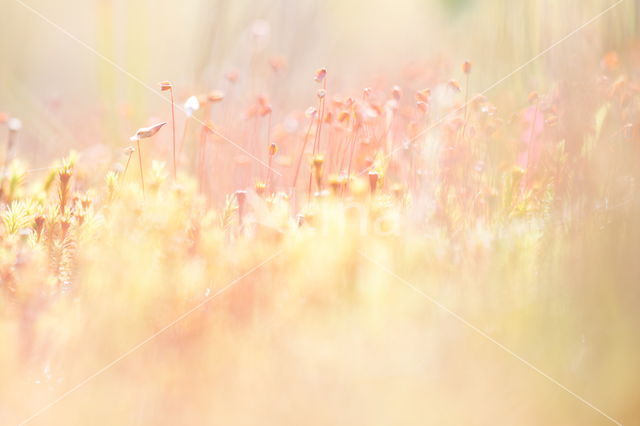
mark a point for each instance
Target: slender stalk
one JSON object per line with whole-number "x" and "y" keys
{"x": 324, "y": 100}
{"x": 269, "y": 174}
{"x": 466, "y": 101}
{"x": 140, "y": 162}
{"x": 124, "y": 174}
{"x": 310, "y": 182}
{"x": 316, "y": 141}
{"x": 126, "y": 167}
{"x": 353, "y": 148}
{"x": 315, "y": 136}
{"x": 173, "y": 128}
{"x": 304, "y": 146}
{"x": 269, "y": 156}
{"x": 343, "y": 152}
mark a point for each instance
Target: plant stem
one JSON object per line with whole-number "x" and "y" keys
{"x": 173, "y": 125}
{"x": 353, "y": 148}
{"x": 324, "y": 98}
{"x": 466, "y": 101}
{"x": 126, "y": 166}
{"x": 304, "y": 146}
{"x": 268, "y": 182}
{"x": 310, "y": 182}
{"x": 141, "y": 172}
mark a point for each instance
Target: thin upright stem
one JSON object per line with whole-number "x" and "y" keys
{"x": 315, "y": 136}
{"x": 270, "y": 157}
{"x": 316, "y": 141}
{"x": 324, "y": 99}
{"x": 141, "y": 172}
{"x": 353, "y": 147}
{"x": 126, "y": 167}
{"x": 304, "y": 146}
{"x": 173, "y": 124}
{"x": 310, "y": 183}
{"x": 466, "y": 101}
{"x": 268, "y": 183}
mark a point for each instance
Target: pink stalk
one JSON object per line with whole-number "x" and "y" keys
{"x": 140, "y": 162}
{"x": 304, "y": 146}
{"x": 173, "y": 128}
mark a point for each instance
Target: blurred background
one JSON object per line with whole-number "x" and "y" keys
{"x": 320, "y": 335}
{"x": 69, "y": 97}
